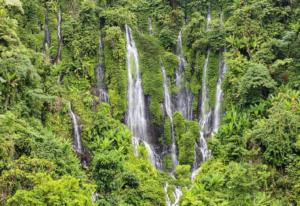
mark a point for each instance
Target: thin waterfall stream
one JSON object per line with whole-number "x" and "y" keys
{"x": 219, "y": 91}
{"x": 100, "y": 74}
{"x": 168, "y": 110}
{"x": 219, "y": 95}
{"x": 201, "y": 148}
{"x": 202, "y": 152}
{"x": 59, "y": 37}
{"x": 176, "y": 194}
{"x": 76, "y": 131}
{"x": 184, "y": 96}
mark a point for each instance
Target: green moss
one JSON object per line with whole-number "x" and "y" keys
{"x": 186, "y": 156}
{"x": 212, "y": 77}
{"x": 179, "y": 124}
{"x": 167, "y": 132}
{"x": 186, "y": 133}
{"x": 149, "y": 59}
{"x": 115, "y": 70}
{"x": 182, "y": 175}
{"x": 167, "y": 162}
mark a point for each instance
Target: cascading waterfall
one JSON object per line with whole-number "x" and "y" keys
{"x": 136, "y": 117}
{"x": 177, "y": 195}
{"x": 76, "y": 131}
{"x": 99, "y": 70}
{"x": 136, "y": 112}
{"x": 202, "y": 152}
{"x": 219, "y": 96}
{"x": 168, "y": 110}
{"x": 184, "y": 96}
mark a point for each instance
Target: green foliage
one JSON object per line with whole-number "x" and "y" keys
{"x": 106, "y": 172}
{"x": 212, "y": 76}
{"x": 149, "y": 55}
{"x": 30, "y": 139}
{"x": 187, "y": 133}
{"x": 255, "y": 84}
{"x": 116, "y": 74}
{"x": 182, "y": 175}
{"x": 107, "y": 134}
{"x": 255, "y": 153}
{"x": 232, "y": 184}
{"x": 277, "y": 134}
{"x": 118, "y": 17}
{"x": 66, "y": 190}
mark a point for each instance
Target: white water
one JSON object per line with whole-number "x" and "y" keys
{"x": 205, "y": 116}
{"x": 136, "y": 113}
{"x": 59, "y": 37}
{"x": 205, "y": 111}
{"x": 136, "y": 117}
{"x": 184, "y": 96}
{"x": 168, "y": 109}
{"x": 177, "y": 195}
{"x": 101, "y": 87}
{"x": 219, "y": 91}
{"x": 219, "y": 96}
{"x": 154, "y": 158}
{"x": 208, "y": 20}
{"x": 76, "y": 131}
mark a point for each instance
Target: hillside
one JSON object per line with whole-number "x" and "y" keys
{"x": 150, "y": 102}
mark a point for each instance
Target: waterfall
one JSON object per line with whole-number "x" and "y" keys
{"x": 205, "y": 113}
{"x": 219, "y": 91}
{"x": 47, "y": 33}
{"x": 99, "y": 70}
{"x": 136, "y": 112}
{"x": 76, "y": 131}
{"x": 219, "y": 96}
{"x": 59, "y": 37}
{"x": 168, "y": 109}
{"x": 177, "y": 195}
{"x": 154, "y": 158}
{"x": 150, "y": 26}
{"x": 184, "y": 96}
{"x": 201, "y": 152}
{"x": 136, "y": 117}
{"x": 208, "y": 20}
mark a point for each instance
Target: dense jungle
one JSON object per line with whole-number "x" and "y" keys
{"x": 150, "y": 102}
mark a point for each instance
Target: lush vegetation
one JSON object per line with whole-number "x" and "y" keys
{"x": 255, "y": 153}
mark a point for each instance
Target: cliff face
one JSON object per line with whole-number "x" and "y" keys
{"x": 139, "y": 102}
